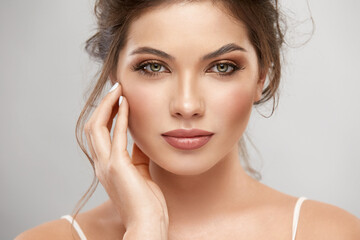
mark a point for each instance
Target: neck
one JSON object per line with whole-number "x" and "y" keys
{"x": 223, "y": 188}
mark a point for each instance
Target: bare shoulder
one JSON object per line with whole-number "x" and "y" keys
{"x": 56, "y": 230}
{"x": 320, "y": 220}
{"x": 101, "y": 222}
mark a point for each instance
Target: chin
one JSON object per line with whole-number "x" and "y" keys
{"x": 182, "y": 167}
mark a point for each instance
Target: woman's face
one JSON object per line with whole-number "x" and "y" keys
{"x": 187, "y": 90}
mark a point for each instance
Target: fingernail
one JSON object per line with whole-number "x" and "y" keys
{"x": 120, "y": 100}
{"x": 114, "y": 87}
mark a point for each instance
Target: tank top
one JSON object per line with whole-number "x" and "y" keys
{"x": 294, "y": 225}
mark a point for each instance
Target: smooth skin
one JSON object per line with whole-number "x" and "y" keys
{"x": 161, "y": 192}
{"x": 143, "y": 206}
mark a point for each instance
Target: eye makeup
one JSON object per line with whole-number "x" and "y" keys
{"x": 222, "y": 68}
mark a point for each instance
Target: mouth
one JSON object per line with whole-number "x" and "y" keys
{"x": 187, "y": 139}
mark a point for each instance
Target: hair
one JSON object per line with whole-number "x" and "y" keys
{"x": 265, "y": 31}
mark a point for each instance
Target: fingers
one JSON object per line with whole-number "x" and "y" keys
{"x": 88, "y": 141}
{"x": 98, "y": 134}
{"x": 98, "y": 127}
{"x": 119, "y": 143}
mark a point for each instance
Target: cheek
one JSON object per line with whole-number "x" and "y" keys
{"x": 242, "y": 105}
{"x": 144, "y": 108}
{"x": 140, "y": 102}
{"x": 234, "y": 107}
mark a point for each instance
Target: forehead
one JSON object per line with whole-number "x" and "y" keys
{"x": 187, "y": 26}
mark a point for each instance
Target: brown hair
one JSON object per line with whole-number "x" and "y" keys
{"x": 262, "y": 18}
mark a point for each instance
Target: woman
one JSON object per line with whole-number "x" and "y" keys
{"x": 186, "y": 75}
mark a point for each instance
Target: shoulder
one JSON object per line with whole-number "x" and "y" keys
{"x": 101, "y": 222}
{"x": 320, "y": 220}
{"x": 55, "y": 230}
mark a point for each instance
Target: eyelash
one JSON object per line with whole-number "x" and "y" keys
{"x": 140, "y": 67}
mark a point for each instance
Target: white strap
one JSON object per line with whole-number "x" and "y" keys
{"x": 76, "y": 226}
{"x": 296, "y": 215}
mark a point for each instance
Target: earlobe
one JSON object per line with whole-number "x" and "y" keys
{"x": 259, "y": 92}
{"x": 260, "y": 86}
{"x": 112, "y": 78}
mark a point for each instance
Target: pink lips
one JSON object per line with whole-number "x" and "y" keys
{"x": 187, "y": 139}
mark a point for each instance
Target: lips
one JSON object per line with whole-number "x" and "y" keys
{"x": 187, "y": 133}
{"x": 187, "y": 139}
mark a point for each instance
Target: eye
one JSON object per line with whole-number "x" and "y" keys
{"x": 226, "y": 68}
{"x": 149, "y": 68}
{"x": 153, "y": 68}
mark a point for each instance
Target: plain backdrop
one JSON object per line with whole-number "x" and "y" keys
{"x": 309, "y": 147}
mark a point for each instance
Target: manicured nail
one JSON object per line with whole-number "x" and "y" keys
{"x": 120, "y": 100}
{"x": 114, "y": 87}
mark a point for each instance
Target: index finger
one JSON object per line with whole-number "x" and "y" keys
{"x": 101, "y": 122}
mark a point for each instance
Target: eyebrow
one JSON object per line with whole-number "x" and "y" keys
{"x": 224, "y": 49}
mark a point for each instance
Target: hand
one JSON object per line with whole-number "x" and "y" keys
{"x": 138, "y": 200}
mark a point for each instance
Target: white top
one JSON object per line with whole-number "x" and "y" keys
{"x": 294, "y": 226}
{"x": 76, "y": 226}
{"x": 296, "y": 216}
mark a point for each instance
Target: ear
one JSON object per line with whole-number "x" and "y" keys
{"x": 260, "y": 85}
{"x": 112, "y": 77}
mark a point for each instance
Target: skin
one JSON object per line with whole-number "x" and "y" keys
{"x": 203, "y": 193}
{"x": 186, "y": 95}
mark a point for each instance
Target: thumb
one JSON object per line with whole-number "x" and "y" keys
{"x": 141, "y": 161}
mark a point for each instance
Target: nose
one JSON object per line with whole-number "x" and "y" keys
{"x": 187, "y": 101}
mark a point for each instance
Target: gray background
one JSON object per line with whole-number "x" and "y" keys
{"x": 309, "y": 147}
